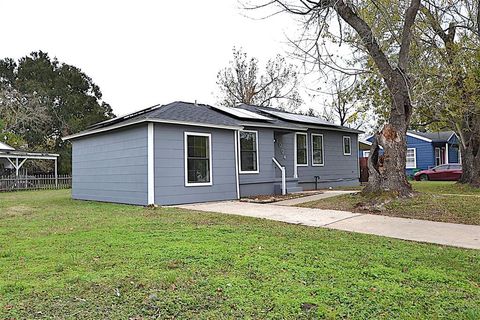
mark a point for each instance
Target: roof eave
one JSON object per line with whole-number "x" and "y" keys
{"x": 122, "y": 125}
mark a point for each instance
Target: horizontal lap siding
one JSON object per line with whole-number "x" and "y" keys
{"x": 338, "y": 168}
{"x": 111, "y": 166}
{"x": 424, "y": 152}
{"x": 262, "y": 182}
{"x": 169, "y": 168}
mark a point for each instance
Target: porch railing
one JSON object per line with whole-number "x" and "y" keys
{"x": 284, "y": 180}
{"x": 34, "y": 182}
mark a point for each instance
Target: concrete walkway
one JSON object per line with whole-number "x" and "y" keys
{"x": 458, "y": 235}
{"x": 315, "y": 197}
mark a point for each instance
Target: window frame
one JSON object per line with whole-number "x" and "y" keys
{"x": 349, "y": 143}
{"x": 414, "y": 158}
{"x": 210, "y": 160}
{"x": 306, "y": 149}
{"x": 313, "y": 150}
{"x": 240, "y": 153}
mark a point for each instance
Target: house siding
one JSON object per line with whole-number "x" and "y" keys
{"x": 111, "y": 166}
{"x": 424, "y": 152}
{"x": 263, "y": 181}
{"x": 338, "y": 169}
{"x": 169, "y": 155}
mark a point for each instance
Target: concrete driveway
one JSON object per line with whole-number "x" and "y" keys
{"x": 451, "y": 234}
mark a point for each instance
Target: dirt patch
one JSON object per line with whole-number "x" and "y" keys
{"x": 16, "y": 211}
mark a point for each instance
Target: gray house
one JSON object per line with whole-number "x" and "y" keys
{"x": 187, "y": 152}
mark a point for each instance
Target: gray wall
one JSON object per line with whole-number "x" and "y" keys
{"x": 170, "y": 166}
{"x": 262, "y": 182}
{"x": 111, "y": 166}
{"x": 338, "y": 169}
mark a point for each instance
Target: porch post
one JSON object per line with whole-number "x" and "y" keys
{"x": 17, "y": 168}
{"x": 446, "y": 153}
{"x": 56, "y": 173}
{"x": 150, "y": 164}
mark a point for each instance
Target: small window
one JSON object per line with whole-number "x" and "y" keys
{"x": 347, "y": 146}
{"x": 411, "y": 158}
{"x": 366, "y": 153}
{"x": 317, "y": 150}
{"x": 248, "y": 151}
{"x": 301, "y": 149}
{"x": 198, "y": 162}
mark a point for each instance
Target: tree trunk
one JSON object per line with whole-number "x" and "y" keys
{"x": 470, "y": 150}
{"x": 387, "y": 172}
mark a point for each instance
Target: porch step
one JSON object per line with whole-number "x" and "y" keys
{"x": 292, "y": 186}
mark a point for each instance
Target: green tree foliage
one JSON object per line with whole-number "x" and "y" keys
{"x": 47, "y": 100}
{"x": 241, "y": 82}
{"x": 445, "y": 76}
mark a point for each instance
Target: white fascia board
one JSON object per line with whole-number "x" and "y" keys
{"x": 121, "y": 125}
{"x": 416, "y": 136}
{"x": 7, "y": 156}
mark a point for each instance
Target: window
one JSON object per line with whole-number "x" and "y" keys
{"x": 301, "y": 149}
{"x": 248, "y": 151}
{"x": 317, "y": 150}
{"x": 411, "y": 158}
{"x": 366, "y": 153}
{"x": 347, "y": 146}
{"x": 198, "y": 159}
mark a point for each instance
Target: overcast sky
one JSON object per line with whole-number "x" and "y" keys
{"x": 142, "y": 52}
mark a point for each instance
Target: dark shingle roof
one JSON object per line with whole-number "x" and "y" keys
{"x": 441, "y": 136}
{"x": 202, "y": 114}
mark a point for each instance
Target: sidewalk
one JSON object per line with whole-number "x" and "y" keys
{"x": 451, "y": 234}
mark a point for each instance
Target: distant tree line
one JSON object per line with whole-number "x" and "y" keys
{"x": 43, "y": 100}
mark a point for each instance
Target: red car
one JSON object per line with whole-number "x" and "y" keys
{"x": 444, "y": 172}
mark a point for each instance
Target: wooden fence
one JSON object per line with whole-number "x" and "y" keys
{"x": 37, "y": 182}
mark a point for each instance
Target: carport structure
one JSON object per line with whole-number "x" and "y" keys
{"x": 18, "y": 158}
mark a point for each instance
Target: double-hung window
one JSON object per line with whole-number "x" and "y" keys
{"x": 301, "y": 149}
{"x": 347, "y": 146}
{"x": 411, "y": 158}
{"x": 248, "y": 151}
{"x": 317, "y": 150}
{"x": 198, "y": 159}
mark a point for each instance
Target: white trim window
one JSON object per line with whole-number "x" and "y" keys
{"x": 248, "y": 142}
{"x": 318, "y": 155}
{"x": 301, "y": 149}
{"x": 198, "y": 159}
{"x": 411, "y": 158}
{"x": 347, "y": 146}
{"x": 366, "y": 153}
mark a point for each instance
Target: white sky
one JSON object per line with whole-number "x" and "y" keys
{"x": 142, "y": 52}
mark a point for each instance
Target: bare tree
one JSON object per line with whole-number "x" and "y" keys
{"x": 343, "y": 106}
{"x": 390, "y": 58}
{"x": 240, "y": 82}
{"x": 22, "y": 115}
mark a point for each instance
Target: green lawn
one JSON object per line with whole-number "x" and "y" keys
{"x": 437, "y": 201}
{"x": 61, "y": 258}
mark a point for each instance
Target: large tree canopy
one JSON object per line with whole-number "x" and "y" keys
{"x": 336, "y": 22}
{"x": 242, "y": 82}
{"x": 43, "y": 100}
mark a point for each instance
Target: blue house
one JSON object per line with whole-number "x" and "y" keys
{"x": 425, "y": 149}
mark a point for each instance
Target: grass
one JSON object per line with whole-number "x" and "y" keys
{"x": 68, "y": 259}
{"x": 437, "y": 201}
